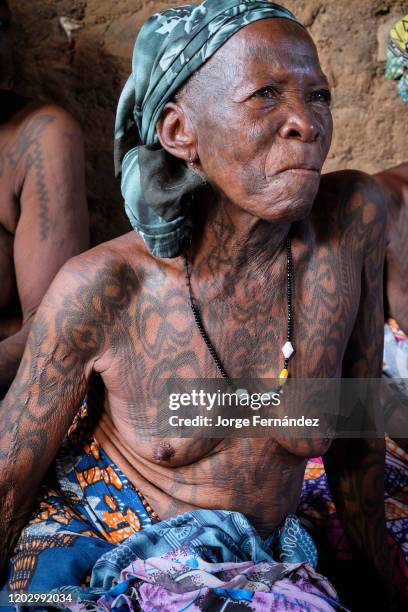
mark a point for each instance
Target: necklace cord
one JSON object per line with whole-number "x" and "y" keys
{"x": 289, "y": 294}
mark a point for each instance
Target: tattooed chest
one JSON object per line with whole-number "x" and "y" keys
{"x": 161, "y": 341}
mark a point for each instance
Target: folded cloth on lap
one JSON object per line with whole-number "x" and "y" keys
{"x": 208, "y": 560}
{"x": 93, "y": 531}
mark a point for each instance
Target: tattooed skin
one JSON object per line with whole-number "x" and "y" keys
{"x": 118, "y": 312}
{"x": 43, "y": 216}
{"x": 395, "y": 184}
{"x": 28, "y": 146}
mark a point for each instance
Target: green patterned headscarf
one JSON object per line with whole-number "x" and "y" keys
{"x": 170, "y": 47}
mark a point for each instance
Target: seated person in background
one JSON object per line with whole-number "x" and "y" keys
{"x": 395, "y": 184}
{"x": 223, "y": 186}
{"x": 43, "y": 213}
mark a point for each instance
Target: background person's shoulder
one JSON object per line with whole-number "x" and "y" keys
{"x": 36, "y": 109}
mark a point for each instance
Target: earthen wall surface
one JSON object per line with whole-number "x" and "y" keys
{"x": 370, "y": 119}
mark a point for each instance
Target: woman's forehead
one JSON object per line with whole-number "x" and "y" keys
{"x": 267, "y": 46}
{"x": 268, "y": 39}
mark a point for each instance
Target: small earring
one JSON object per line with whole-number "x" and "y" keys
{"x": 194, "y": 169}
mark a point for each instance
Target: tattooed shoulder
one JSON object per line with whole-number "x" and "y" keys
{"x": 88, "y": 295}
{"x": 352, "y": 204}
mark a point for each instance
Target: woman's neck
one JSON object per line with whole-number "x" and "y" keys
{"x": 229, "y": 243}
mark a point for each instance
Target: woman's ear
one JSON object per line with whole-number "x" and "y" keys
{"x": 176, "y": 133}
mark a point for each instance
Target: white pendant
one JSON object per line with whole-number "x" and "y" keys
{"x": 288, "y": 350}
{"x": 241, "y": 393}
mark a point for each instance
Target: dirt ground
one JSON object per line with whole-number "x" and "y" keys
{"x": 370, "y": 119}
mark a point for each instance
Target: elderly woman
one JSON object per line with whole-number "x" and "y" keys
{"x": 244, "y": 264}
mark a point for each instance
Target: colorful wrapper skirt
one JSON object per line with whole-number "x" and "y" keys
{"x": 94, "y": 539}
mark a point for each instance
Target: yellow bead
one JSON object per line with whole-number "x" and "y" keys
{"x": 283, "y": 376}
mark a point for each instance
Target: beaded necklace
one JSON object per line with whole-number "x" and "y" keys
{"x": 287, "y": 348}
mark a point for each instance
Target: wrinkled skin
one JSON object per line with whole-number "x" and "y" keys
{"x": 279, "y": 128}
{"x": 259, "y": 132}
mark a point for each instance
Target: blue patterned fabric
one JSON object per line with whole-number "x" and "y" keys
{"x": 212, "y": 536}
{"x": 395, "y": 362}
{"x": 170, "y": 47}
{"x": 94, "y": 539}
{"x": 220, "y": 535}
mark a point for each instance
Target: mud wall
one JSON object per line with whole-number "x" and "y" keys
{"x": 371, "y": 122}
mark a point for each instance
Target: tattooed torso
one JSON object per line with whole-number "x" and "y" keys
{"x": 154, "y": 337}
{"x": 126, "y": 316}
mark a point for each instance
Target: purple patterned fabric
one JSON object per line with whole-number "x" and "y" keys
{"x": 208, "y": 560}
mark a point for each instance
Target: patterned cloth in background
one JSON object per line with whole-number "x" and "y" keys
{"x": 397, "y": 57}
{"x": 395, "y": 362}
{"x": 170, "y": 47}
{"x": 208, "y": 560}
{"x": 318, "y": 508}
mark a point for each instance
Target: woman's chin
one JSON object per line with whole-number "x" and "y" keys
{"x": 291, "y": 209}
{"x": 288, "y": 200}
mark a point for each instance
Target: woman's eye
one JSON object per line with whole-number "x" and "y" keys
{"x": 266, "y": 92}
{"x": 323, "y": 95}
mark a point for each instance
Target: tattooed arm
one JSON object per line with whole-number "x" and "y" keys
{"x": 64, "y": 342}
{"x": 48, "y": 161}
{"x": 81, "y": 318}
{"x": 355, "y": 467}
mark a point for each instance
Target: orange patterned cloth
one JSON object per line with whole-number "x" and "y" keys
{"x": 86, "y": 507}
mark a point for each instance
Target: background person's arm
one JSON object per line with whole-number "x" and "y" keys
{"x": 394, "y": 182}
{"x": 53, "y": 224}
{"x": 355, "y": 467}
